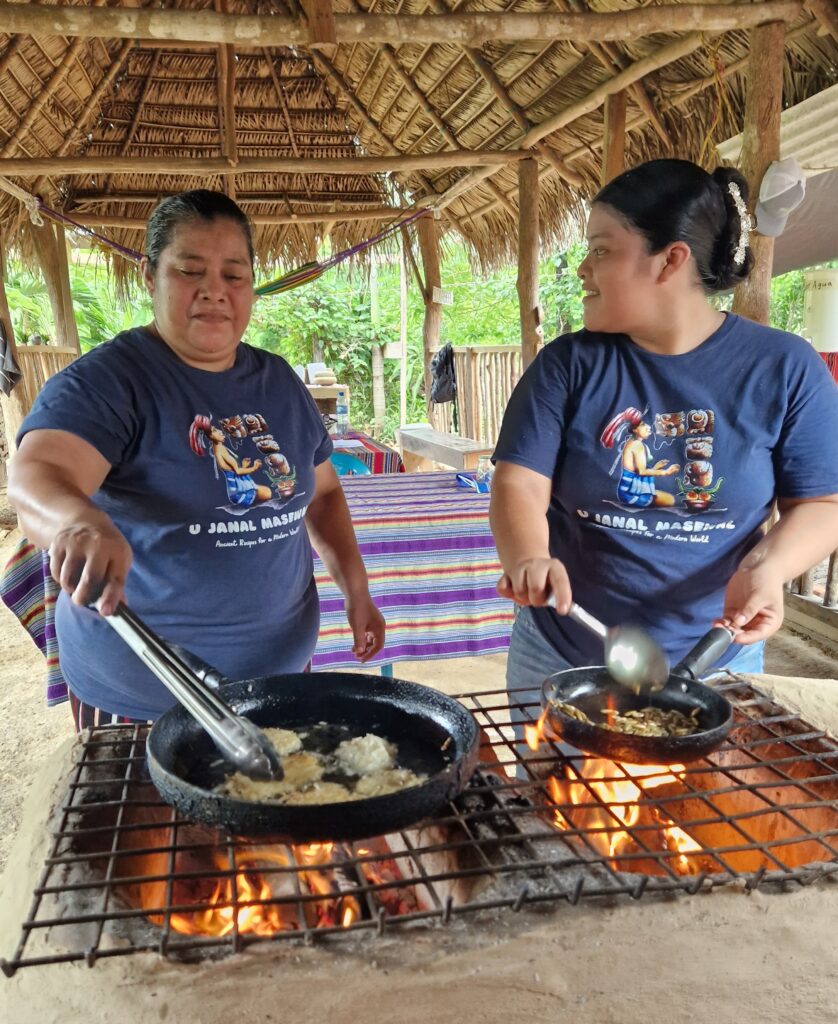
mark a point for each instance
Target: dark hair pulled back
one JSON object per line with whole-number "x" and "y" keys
{"x": 678, "y": 201}
{"x": 200, "y": 204}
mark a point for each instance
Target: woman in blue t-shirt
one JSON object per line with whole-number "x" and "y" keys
{"x": 214, "y": 553}
{"x": 733, "y": 414}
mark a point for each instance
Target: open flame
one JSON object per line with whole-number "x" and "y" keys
{"x": 258, "y": 901}
{"x": 605, "y": 800}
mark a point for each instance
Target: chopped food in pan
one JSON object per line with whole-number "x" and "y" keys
{"x": 643, "y": 722}
{"x": 653, "y": 722}
{"x": 364, "y": 754}
{"x": 284, "y": 740}
{"x": 362, "y": 767}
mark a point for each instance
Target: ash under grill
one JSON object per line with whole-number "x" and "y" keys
{"x": 124, "y": 873}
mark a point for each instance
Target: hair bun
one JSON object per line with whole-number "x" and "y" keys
{"x": 729, "y": 265}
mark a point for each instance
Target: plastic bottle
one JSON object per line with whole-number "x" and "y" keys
{"x": 342, "y": 413}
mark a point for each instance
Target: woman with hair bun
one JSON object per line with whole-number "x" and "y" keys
{"x": 736, "y": 415}
{"x": 111, "y": 476}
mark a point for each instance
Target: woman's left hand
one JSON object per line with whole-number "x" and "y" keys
{"x": 368, "y": 627}
{"x": 753, "y": 604}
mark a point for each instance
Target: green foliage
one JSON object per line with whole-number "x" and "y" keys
{"x": 787, "y": 302}
{"x": 333, "y": 319}
{"x": 28, "y": 305}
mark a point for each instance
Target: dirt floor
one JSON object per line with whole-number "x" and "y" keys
{"x": 32, "y": 732}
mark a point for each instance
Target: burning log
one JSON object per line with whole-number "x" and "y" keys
{"x": 384, "y": 870}
{"x": 431, "y": 848}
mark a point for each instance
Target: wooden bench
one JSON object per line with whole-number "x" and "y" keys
{"x": 422, "y": 445}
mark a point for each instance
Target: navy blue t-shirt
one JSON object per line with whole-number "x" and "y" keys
{"x": 222, "y": 561}
{"x": 749, "y": 415}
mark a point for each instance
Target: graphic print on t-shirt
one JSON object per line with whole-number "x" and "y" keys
{"x": 266, "y": 479}
{"x": 687, "y": 437}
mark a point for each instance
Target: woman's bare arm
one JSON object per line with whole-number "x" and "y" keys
{"x": 518, "y": 514}
{"x": 52, "y": 478}
{"x": 806, "y": 532}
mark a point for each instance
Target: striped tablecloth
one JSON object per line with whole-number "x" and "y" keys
{"x": 432, "y": 566}
{"x": 377, "y": 455}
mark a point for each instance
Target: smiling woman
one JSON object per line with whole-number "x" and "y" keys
{"x": 699, "y": 419}
{"x": 112, "y": 476}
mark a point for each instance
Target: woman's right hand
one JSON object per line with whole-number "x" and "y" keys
{"x": 90, "y": 559}
{"x": 533, "y": 580}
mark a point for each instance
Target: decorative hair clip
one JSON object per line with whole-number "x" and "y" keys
{"x": 745, "y": 224}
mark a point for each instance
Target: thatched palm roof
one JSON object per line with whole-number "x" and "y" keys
{"x": 110, "y": 97}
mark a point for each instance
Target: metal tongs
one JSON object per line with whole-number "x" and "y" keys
{"x": 238, "y": 739}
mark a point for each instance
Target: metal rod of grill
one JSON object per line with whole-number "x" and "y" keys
{"x": 532, "y": 827}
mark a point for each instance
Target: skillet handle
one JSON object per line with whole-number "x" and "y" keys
{"x": 705, "y": 654}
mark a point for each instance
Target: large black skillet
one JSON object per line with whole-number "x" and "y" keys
{"x": 592, "y": 689}
{"x": 436, "y": 736}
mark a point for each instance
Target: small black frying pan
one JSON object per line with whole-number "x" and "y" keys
{"x": 593, "y": 689}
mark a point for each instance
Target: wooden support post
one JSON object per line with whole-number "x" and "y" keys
{"x": 379, "y": 401}
{"x": 321, "y": 25}
{"x": 50, "y": 260}
{"x": 403, "y": 329}
{"x": 13, "y": 407}
{"x": 532, "y": 332}
{"x": 429, "y": 248}
{"x": 614, "y": 141}
{"x": 760, "y": 146}
{"x": 71, "y": 331}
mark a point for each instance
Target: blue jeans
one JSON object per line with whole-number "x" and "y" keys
{"x": 532, "y": 659}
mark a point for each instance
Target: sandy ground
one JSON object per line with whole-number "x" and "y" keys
{"x": 32, "y": 732}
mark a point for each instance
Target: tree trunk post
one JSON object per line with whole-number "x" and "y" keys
{"x": 378, "y": 398}
{"x": 532, "y": 333}
{"x": 761, "y": 146}
{"x": 403, "y": 331}
{"x": 429, "y": 249}
{"x": 51, "y": 250}
{"x": 614, "y": 142}
{"x": 71, "y": 331}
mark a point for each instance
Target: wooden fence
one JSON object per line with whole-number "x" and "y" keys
{"x": 37, "y": 363}
{"x": 486, "y": 375}
{"x": 810, "y": 585}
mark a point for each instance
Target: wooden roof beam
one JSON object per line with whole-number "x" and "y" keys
{"x": 42, "y": 96}
{"x": 414, "y": 90}
{"x": 579, "y": 108}
{"x": 339, "y": 83}
{"x": 225, "y": 69}
{"x": 208, "y": 166}
{"x": 58, "y": 76}
{"x": 826, "y": 14}
{"x": 611, "y": 59}
{"x": 690, "y": 89}
{"x": 283, "y": 100}
{"x": 333, "y": 200}
{"x": 105, "y": 220}
{"x": 483, "y": 68}
{"x": 82, "y": 22}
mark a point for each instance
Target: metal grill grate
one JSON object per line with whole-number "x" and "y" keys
{"x": 531, "y": 828}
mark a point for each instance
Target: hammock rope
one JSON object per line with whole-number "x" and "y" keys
{"x": 305, "y": 274}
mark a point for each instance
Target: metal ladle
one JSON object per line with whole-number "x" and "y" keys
{"x": 632, "y": 657}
